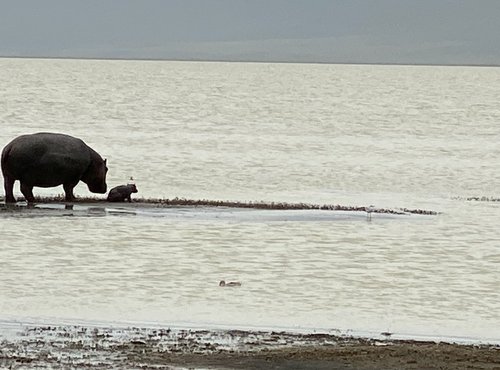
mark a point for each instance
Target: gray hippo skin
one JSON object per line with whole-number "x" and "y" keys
{"x": 122, "y": 193}
{"x": 47, "y": 160}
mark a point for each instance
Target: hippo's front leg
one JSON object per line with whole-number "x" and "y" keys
{"x": 8, "y": 184}
{"x": 68, "y": 190}
{"x": 27, "y": 191}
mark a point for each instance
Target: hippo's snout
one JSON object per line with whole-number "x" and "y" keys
{"x": 100, "y": 189}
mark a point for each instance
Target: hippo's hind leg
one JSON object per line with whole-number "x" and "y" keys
{"x": 27, "y": 191}
{"x": 68, "y": 189}
{"x": 8, "y": 183}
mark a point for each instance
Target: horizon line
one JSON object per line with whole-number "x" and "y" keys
{"x": 277, "y": 61}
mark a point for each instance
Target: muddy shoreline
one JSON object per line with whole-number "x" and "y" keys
{"x": 183, "y": 202}
{"x": 60, "y": 347}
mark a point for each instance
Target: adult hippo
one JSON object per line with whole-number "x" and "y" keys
{"x": 46, "y": 160}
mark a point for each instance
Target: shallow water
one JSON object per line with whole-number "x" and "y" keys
{"x": 392, "y": 136}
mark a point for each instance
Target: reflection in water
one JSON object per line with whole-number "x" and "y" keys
{"x": 97, "y": 211}
{"x": 51, "y": 210}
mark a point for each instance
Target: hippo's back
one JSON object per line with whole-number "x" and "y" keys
{"x": 42, "y": 142}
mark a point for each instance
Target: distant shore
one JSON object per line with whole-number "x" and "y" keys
{"x": 256, "y": 61}
{"x": 161, "y": 348}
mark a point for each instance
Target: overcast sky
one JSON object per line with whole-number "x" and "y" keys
{"x": 341, "y": 31}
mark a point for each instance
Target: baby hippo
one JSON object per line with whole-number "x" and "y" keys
{"x": 122, "y": 193}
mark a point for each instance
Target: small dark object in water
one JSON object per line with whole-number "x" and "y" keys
{"x": 122, "y": 193}
{"x": 229, "y": 283}
{"x": 138, "y": 342}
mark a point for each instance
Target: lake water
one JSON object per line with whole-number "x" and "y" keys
{"x": 392, "y": 136}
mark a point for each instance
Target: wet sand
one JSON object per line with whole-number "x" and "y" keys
{"x": 148, "y": 348}
{"x": 261, "y": 205}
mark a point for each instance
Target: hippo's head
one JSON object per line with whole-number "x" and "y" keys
{"x": 132, "y": 188}
{"x": 95, "y": 176}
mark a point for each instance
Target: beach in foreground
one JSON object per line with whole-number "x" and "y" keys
{"x": 148, "y": 348}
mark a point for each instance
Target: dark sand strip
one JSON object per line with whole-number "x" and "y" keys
{"x": 182, "y": 202}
